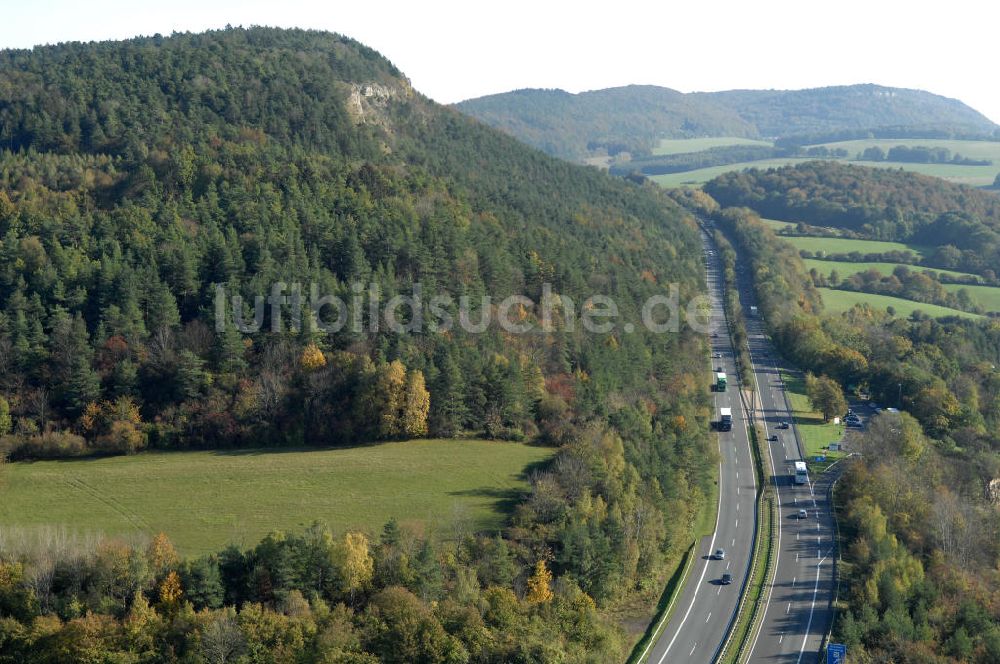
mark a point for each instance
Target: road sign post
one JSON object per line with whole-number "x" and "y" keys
{"x": 836, "y": 653}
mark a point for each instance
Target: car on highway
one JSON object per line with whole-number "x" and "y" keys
{"x": 720, "y": 554}
{"x": 773, "y": 438}
{"x": 726, "y": 579}
{"x": 783, "y": 425}
{"x": 717, "y": 355}
{"x": 803, "y": 514}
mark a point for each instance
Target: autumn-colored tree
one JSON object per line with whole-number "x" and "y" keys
{"x": 390, "y": 385}
{"x": 5, "y": 420}
{"x": 170, "y": 591}
{"x": 540, "y": 585}
{"x": 161, "y": 554}
{"x": 826, "y": 396}
{"x": 141, "y": 623}
{"x": 353, "y": 558}
{"x": 417, "y": 405}
{"x": 312, "y": 358}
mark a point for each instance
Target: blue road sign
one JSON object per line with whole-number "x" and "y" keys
{"x": 836, "y": 653}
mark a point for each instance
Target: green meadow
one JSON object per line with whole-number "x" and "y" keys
{"x": 847, "y": 268}
{"x": 206, "y": 500}
{"x": 685, "y": 145}
{"x": 836, "y": 301}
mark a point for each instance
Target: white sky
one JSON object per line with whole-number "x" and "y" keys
{"x": 453, "y": 50}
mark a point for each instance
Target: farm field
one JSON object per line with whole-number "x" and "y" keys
{"x": 987, "y": 297}
{"x": 976, "y": 176}
{"x": 971, "y": 175}
{"x": 776, "y": 225}
{"x": 847, "y": 268}
{"x": 698, "y": 177}
{"x": 684, "y": 145}
{"x": 206, "y": 500}
{"x": 838, "y": 245}
{"x": 836, "y": 301}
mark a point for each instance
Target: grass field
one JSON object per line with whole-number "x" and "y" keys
{"x": 971, "y": 175}
{"x": 977, "y": 176}
{"x": 685, "y": 145}
{"x": 987, "y": 297}
{"x": 839, "y": 245}
{"x": 205, "y": 500}
{"x": 836, "y": 301}
{"x": 700, "y": 176}
{"x": 776, "y": 225}
{"x": 847, "y": 268}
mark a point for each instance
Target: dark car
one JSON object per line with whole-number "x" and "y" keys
{"x": 773, "y": 439}
{"x": 726, "y": 579}
{"x": 783, "y": 425}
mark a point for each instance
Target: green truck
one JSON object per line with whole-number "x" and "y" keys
{"x": 720, "y": 381}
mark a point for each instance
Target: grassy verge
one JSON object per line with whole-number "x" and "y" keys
{"x": 206, "y": 500}
{"x": 814, "y": 433}
{"x": 665, "y": 605}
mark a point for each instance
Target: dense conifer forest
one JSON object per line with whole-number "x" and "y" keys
{"x": 139, "y": 177}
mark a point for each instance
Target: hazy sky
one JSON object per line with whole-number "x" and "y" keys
{"x": 456, "y": 50}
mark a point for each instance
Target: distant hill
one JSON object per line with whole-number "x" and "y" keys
{"x": 627, "y": 119}
{"x": 818, "y": 111}
{"x": 633, "y": 118}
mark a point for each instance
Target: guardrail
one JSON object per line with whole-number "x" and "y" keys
{"x": 836, "y": 574}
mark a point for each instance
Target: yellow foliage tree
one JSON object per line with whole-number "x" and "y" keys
{"x": 170, "y": 590}
{"x": 417, "y": 406}
{"x": 352, "y": 556}
{"x": 312, "y": 358}
{"x": 161, "y": 554}
{"x": 391, "y": 393}
{"x": 540, "y": 585}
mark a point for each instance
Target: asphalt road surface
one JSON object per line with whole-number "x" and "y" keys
{"x": 705, "y": 608}
{"x": 797, "y": 613}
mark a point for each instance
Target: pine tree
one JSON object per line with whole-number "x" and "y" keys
{"x": 448, "y": 412}
{"x": 428, "y": 577}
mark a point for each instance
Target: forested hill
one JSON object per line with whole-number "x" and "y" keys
{"x": 628, "y": 119}
{"x": 633, "y": 118}
{"x": 137, "y": 176}
{"x": 885, "y": 204}
{"x": 846, "y": 108}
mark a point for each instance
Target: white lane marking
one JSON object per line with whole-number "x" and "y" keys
{"x": 812, "y": 608}
{"x": 709, "y": 616}
{"x": 794, "y": 579}
{"x": 692, "y": 649}
{"x": 734, "y": 542}
{"x": 788, "y": 608}
{"x": 781, "y": 637}
{"x": 727, "y": 564}
{"x": 701, "y": 581}
{"x": 796, "y": 557}
{"x": 737, "y": 524}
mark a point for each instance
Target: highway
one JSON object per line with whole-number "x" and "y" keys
{"x": 705, "y": 608}
{"x": 797, "y": 613}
